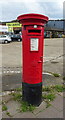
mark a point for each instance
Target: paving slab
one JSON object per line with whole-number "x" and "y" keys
{"x": 24, "y": 115}
{"x": 58, "y": 103}
{"x": 13, "y": 107}
{"x": 64, "y": 113}
{"x": 54, "y": 111}
{"x": 4, "y": 115}
{"x": 7, "y": 98}
{"x": 50, "y": 112}
{"x": 40, "y": 108}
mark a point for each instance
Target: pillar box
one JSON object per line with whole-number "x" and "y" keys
{"x": 32, "y": 44}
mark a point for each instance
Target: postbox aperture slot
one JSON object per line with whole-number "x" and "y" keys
{"x": 34, "y": 31}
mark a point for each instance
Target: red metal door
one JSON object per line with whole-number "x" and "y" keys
{"x": 32, "y": 55}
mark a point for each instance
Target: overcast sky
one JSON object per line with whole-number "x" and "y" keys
{"x": 11, "y": 9}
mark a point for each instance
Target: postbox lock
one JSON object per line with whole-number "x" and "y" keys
{"x": 35, "y": 26}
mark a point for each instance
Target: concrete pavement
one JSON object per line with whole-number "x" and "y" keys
{"x": 53, "y": 111}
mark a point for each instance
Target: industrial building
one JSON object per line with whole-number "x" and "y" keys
{"x": 53, "y": 28}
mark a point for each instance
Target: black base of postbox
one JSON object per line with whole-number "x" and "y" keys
{"x": 32, "y": 93}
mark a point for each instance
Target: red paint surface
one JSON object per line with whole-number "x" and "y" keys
{"x": 32, "y": 60}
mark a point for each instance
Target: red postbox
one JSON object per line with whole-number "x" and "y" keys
{"x": 32, "y": 41}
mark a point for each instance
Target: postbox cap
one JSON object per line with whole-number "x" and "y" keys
{"x": 32, "y": 18}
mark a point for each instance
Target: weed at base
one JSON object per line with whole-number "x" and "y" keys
{"x": 49, "y": 97}
{"x": 4, "y": 107}
{"x": 19, "y": 89}
{"x": 48, "y": 104}
{"x": 26, "y": 107}
{"x": 48, "y": 89}
{"x": 17, "y": 96}
{"x": 8, "y": 113}
{"x": 54, "y": 88}
{"x": 56, "y": 74}
{"x": 60, "y": 88}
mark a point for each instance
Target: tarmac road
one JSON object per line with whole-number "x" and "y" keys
{"x": 12, "y": 63}
{"x": 12, "y": 52}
